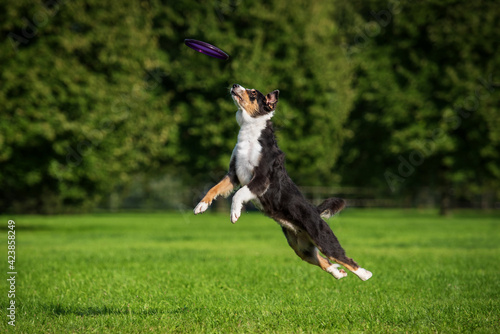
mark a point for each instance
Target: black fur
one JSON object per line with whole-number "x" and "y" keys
{"x": 331, "y": 206}
{"x": 264, "y": 106}
{"x": 270, "y": 185}
{"x": 282, "y": 200}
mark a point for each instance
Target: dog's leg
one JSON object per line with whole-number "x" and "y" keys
{"x": 337, "y": 254}
{"x": 255, "y": 188}
{"x": 362, "y": 273}
{"x": 241, "y": 197}
{"x": 307, "y": 251}
{"x": 328, "y": 244}
{"x": 224, "y": 188}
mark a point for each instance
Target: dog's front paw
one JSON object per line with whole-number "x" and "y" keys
{"x": 235, "y": 214}
{"x": 201, "y": 207}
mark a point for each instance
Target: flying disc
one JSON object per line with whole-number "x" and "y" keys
{"x": 206, "y": 48}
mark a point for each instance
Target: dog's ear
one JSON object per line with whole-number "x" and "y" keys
{"x": 272, "y": 99}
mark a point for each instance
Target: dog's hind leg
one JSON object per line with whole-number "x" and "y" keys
{"x": 307, "y": 251}
{"x": 324, "y": 238}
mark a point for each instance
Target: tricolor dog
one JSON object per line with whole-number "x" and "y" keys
{"x": 257, "y": 166}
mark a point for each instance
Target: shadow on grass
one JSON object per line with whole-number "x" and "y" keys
{"x": 63, "y": 310}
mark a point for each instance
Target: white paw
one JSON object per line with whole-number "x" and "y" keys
{"x": 200, "y": 208}
{"x": 338, "y": 274}
{"x": 363, "y": 274}
{"x": 235, "y": 215}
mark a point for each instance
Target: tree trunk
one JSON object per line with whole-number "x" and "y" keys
{"x": 445, "y": 188}
{"x": 444, "y": 203}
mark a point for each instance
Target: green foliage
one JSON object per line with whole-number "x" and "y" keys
{"x": 173, "y": 273}
{"x": 95, "y": 93}
{"x": 79, "y": 111}
{"x": 290, "y": 46}
{"x": 426, "y": 110}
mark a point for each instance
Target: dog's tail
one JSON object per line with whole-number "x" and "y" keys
{"x": 330, "y": 207}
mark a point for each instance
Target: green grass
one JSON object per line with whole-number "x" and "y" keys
{"x": 169, "y": 272}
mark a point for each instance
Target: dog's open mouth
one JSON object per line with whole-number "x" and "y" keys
{"x": 236, "y": 96}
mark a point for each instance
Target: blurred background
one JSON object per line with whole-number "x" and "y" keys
{"x": 391, "y": 103}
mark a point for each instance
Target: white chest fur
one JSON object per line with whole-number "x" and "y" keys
{"x": 248, "y": 149}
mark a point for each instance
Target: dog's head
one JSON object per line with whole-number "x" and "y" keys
{"x": 254, "y": 103}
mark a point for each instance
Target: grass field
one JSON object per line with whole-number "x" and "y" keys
{"x": 173, "y": 272}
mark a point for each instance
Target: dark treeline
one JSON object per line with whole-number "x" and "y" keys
{"x": 393, "y": 95}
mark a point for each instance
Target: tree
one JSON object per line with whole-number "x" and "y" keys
{"x": 95, "y": 92}
{"x": 285, "y": 45}
{"x": 427, "y": 96}
{"x": 79, "y": 107}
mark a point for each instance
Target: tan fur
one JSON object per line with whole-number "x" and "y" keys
{"x": 303, "y": 246}
{"x": 224, "y": 188}
{"x": 251, "y": 108}
{"x": 348, "y": 266}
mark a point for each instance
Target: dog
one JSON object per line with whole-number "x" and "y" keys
{"x": 258, "y": 166}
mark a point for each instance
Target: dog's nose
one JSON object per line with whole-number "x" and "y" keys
{"x": 236, "y": 86}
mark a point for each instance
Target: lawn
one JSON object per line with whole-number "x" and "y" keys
{"x": 180, "y": 273}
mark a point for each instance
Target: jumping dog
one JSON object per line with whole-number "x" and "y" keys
{"x": 258, "y": 166}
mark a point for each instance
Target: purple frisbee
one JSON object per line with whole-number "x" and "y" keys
{"x": 206, "y": 48}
